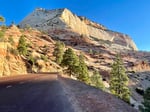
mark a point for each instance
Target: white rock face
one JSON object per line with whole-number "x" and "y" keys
{"x": 44, "y": 19}
{"x": 74, "y": 22}
{"x": 99, "y": 33}
{"x": 63, "y": 19}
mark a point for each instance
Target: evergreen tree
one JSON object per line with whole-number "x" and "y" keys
{"x": 58, "y": 52}
{"x": 22, "y": 46}
{"x": 96, "y": 80}
{"x": 119, "y": 80}
{"x": 70, "y": 61}
{"x": 82, "y": 70}
{"x": 146, "y": 102}
{"x": 2, "y": 19}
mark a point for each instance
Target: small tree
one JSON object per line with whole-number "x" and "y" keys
{"x": 2, "y": 36}
{"x": 2, "y": 19}
{"x": 82, "y": 70}
{"x": 70, "y": 61}
{"x": 22, "y": 46}
{"x": 44, "y": 57}
{"x": 96, "y": 80}
{"x": 11, "y": 40}
{"x": 146, "y": 102}
{"x": 59, "y": 51}
{"x": 119, "y": 80}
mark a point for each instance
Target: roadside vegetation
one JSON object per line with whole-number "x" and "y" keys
{"x": 58, "y": 52}
{"x": 146, "y": 103}
{"x": 119, "y": 80}
{"x": 96, "y": 80}
{"x": 22, "y": 46}
{"x": 2, "y": 19}
{"x": 75, "y": 66}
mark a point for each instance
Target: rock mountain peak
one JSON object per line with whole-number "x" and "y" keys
{"x": 64, "y": 19}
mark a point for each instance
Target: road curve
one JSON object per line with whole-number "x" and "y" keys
{"x": 33, "y": 93}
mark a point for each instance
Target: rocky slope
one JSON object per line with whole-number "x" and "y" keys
{"x": 40, "y": 48}
{"x": 63, "y": 20}
{"x": 10, "y": 64}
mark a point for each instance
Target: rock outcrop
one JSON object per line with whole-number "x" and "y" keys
{"x": 40, "y": 48}
{"x": 10, "y": 64}
{"x": 63, "y": 19}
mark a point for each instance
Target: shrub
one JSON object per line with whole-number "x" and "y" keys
{"x": 2, "y": 36}
{"x": 22, "y": 46}
{"x": 44, "y": 57}
{"x": 11, "y": 40}
{"x": 8, "y": 57}
{"x": 146, "y": 103}
{"x": 2, "y": 19}
{"x": 96, "y": 80}
{"x": 31, "y": 59}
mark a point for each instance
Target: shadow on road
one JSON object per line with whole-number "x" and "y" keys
{"x": 37, "y": 95}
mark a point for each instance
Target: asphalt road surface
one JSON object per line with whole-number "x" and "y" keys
{"x": 33, "y": 93}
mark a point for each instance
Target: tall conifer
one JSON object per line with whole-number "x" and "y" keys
{"x": 58, "y": 52}
{"x": 82, "y": 70}
{"x": 119, "y": 80}
{"x": 70, "y": 60}
{"x": 146, "y": 102}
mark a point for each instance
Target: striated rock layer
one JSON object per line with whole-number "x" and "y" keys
{"x": 65, "y": 20}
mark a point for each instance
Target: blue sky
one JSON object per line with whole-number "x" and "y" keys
{"x": 131, "y": 17}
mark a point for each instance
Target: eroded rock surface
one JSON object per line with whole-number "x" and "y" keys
{"x": 63, "y": 19}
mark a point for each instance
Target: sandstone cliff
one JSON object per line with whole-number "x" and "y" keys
{"x": 63, "y": 19}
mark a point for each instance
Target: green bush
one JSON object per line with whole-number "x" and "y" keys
{"x": 11, "y": 40}
{"x": 22, "y": 46}
{"x": 31, "y": 59}
{"x": 2, "y": 36}
{"x": 44, "y": 57}
{"x": 2, "y": 19}
{"x": 146, "y": 102}
{"x": 96, "y": 80}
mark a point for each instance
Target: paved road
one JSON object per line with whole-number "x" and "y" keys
{"x": 36, "y": 93}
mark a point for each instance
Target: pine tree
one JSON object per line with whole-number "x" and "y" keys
{"x": 82, "y": 70}
{"x": 2, "y": 19}
{"x": 22, "y": 46}
{"x": 58, "y": 52}
{"x": 119, "y": 80}
{"x": 70, "y": 61}
{"x": 146, "y": 102}
{"x": 96, "y": 80}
